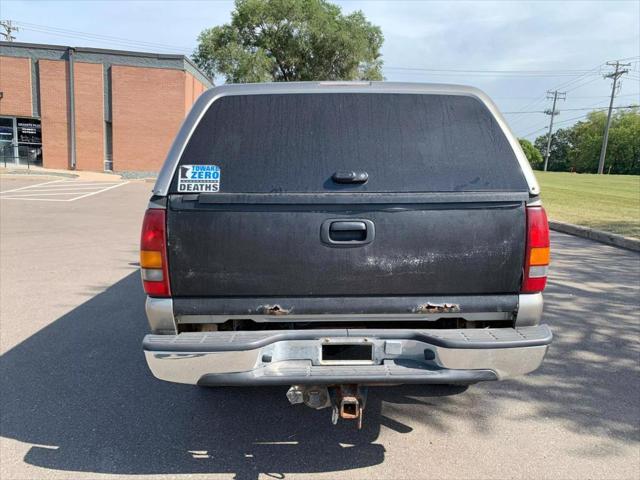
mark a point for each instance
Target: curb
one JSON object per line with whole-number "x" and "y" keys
{"x": 82, "y": 175}
{"x": 28, "y": 173}
{"x": 596, "y": 235}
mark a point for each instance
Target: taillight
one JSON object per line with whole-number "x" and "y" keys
{"x": 537, "y": 253}
{"x": 153, "y": 254}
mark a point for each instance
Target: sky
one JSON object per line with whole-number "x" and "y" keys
{"x": 514, "y": 51}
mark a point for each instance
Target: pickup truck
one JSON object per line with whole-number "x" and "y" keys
{"x": 329, "y": 236}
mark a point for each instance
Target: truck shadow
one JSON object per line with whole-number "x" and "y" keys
{"x": 80, "y": 390}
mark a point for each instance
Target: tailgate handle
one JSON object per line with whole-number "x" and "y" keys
{"x": 347, "y": 233}
{"x": 350, "y": 177}
{"x": 347, "y": 226}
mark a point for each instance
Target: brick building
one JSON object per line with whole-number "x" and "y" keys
{"x": 92, "y": 109}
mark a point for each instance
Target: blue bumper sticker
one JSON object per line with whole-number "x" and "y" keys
{"x": 199, "y": 178}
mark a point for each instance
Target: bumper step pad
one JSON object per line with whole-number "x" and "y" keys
{"x": 458, "y": 338}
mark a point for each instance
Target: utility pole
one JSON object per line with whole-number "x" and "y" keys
{"x": 619, "y": 71}
{"x": 553, "y": 112}
{"x": 8, "y": 28}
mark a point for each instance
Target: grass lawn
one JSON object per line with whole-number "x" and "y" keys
{"x": 604, "y": 202}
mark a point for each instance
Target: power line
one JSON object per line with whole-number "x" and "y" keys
{"x": 580, "y": 85}
{"x": 607, "y": 96}
{"x": 519, "y": 112}
{"x": 119, "y": 44}
{"x": 594, "y": 71}
{"x": 537, "y": 101}
{"x": 574, "y": 109}
{"x": 496, "y": 70}
{"x": 575, "y": 84}
{"x": 535, "y": 131}
{"x": 484, "y": 74}
{"x": 98, "y": 36}
{"x": 127, "y": 45}
{"x": 542, "y": 98}
{"x": 525, "y": 73}
{"x": 579, "y": 97}
{"x": 61, "y": 32}
{"x": 562, "y": 122}
{"x": 567, "y": 120}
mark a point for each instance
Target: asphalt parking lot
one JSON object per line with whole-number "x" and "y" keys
{"x": 77, "y": 400}
{"x": 63, "y": 190}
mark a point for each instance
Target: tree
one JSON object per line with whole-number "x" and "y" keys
{"x": 623, "y": 149}
{"x": 560, "y": 147}
{"x": 578, "y": 147}
{"x": 533, "y": 154}
{"x": 291, "y": 40}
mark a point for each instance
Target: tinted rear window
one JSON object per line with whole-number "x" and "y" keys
{"x": 405, "y": 143}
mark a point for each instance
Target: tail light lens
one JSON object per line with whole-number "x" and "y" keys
{"x": 537, "y": 254}
{"x": 153, "y": 254}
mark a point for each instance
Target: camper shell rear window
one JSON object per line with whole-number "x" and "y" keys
{"x": 294, "y": 143}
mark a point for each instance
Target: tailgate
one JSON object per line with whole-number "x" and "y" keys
{"x": 237, "y": 246}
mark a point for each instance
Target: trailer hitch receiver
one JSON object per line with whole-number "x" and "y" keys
{"x": 348, "y": 402}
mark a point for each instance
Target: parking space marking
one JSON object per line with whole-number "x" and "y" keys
{"x": 100, "y": 191}
{"x": 70, "y": 183}
{"x": 35, "y": 199}
{"x": 65, "y": 188}
{"x": 30, "y": 186}
{"x": 44, "y": 191}
{"x": 39, "y": 194}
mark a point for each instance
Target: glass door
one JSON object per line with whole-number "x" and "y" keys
{"x": 8, "y": 144}
{"x": 29, "y": 141}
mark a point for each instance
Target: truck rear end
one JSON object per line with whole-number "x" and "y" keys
{"x": 331, "y": 236}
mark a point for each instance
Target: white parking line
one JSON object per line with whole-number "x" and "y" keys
{"x": 61, "y": 189}
{"x": 31, "y": 186}
{"x": 44, "y": 191}
{"x": 100, "y": 191}
{"x": 39, "y": 194}
{"x": 64, "y": 184}
{"x": 35, "y": 199}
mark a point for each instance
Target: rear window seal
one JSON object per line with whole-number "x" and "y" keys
{"x": 359, "y": 198}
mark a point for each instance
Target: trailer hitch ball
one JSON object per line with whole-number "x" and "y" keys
{"x": 316, "y": 397}
{"x": 346, "y": 401}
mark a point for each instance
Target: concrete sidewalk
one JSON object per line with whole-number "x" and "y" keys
{"x": 50, "y": 172}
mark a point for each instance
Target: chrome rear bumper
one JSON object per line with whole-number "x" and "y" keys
{"x": 286, "y": 357}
